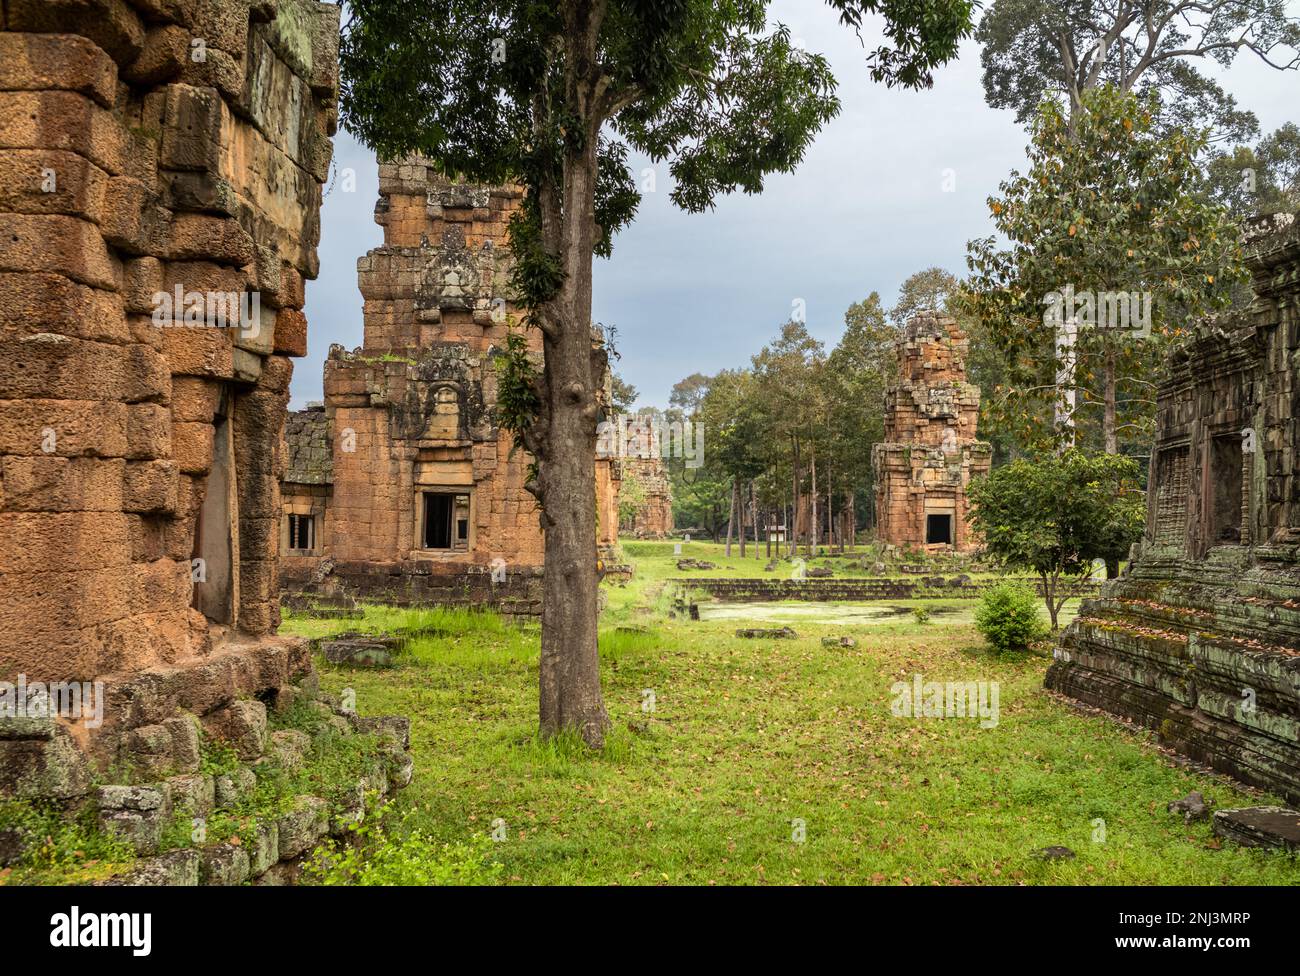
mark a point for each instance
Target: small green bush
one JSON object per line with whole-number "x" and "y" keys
{"x": 1007, "y": 617}
{"x": 921, "y": 615}
{"x": 378, "y": 854}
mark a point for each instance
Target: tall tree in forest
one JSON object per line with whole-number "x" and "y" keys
{"x": 554, "y": 96}
{"x": 1034, "y": 49}
{"x": 784, "y": 372}
{"x": 1112, "y": 249}
{"x": 622, "y": 393}
{"x": 1260, "y": 180}
{"x": 858, "y": 371}
{"x": 924, "y": 291}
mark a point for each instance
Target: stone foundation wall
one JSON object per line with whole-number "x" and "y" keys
{"x": 514, "y": 592}
{"x": 1201, "y": 639}
{"x": 830, "y": 590}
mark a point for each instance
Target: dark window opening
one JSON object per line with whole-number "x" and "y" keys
{"x": 446, "y": 521}
{"x": 1226, "y": 472}
{"x": 938, "y": 530}
{"x": 302, "y": 532}
{"x": 437, "y": 521}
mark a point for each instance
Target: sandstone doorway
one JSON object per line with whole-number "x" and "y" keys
{"x": 938, "y": 530}
{"x": 216, "y": 546}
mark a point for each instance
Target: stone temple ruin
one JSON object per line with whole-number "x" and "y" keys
{"x": 635, "y": 446}
{"x": 401, "y": 487}
{"x": 1200, "y": 640}
{"x": 161, "y": 189}
{"x": 929, "y": 454}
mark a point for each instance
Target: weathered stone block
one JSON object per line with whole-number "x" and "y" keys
{"x": 242, "y": 725}
{"x": 234, "y": 788}
{"x": 304, "y": 825}
{"x": 224, "y": 865}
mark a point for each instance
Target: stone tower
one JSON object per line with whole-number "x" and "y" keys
{"x": 402, "y": 487}
{"x": 930, "y": 453}
{"x": 1200, "y": 639}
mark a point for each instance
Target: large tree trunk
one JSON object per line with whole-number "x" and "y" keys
{"x": 569, "y": 669}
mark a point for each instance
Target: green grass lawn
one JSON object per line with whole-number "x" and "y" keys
{"x": 752, "y": 743}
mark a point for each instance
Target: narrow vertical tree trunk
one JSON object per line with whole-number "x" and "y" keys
{"x": 731, "y": 516}
{"x": 753, "y": 510}
{"x": 814, "y": 527}
{"x": 793, "y": 531}
{"x": 1108, "y": 420}
{"x": 743, "y": 530}
{"x": 853, "y": 519}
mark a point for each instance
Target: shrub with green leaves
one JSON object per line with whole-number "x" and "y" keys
{"x": 1007, "y": 617}
{"x": 381, "y": 853}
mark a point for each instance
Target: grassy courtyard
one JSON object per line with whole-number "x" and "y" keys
{"x": 736, "y": 761}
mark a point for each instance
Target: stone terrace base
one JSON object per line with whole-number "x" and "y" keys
{"x": 1206, "y": 658}
{"x": 44, "y": 758}
{"x": 413, "y": 584}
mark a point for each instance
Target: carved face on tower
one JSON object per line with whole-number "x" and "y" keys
{"x": 450, "y": 280}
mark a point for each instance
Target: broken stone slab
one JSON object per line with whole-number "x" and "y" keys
{"x": 1260, "y": 827}
{"x": 361, "y": 650}
{"x": 139, "y": 798}
{"x": 186, "y": 733}
{"x": 303, "y": 826}
{"x": 12, "y": 847}
{"x": 820, "y": 572}
{"x": 223, "y": 865}
{"x": 761, "y": 633}
{"x": 173, "y": 869}
{"x": 401, "y": 768}
{"x": 148, "y": 750}
{"x": 839, "y": 642}
{"x": 1193, "y": 807}
{"x": 684, "y": 564}
{"x": 289, "y": 748}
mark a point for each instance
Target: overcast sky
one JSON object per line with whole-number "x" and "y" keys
{"x": 699, "y": 293}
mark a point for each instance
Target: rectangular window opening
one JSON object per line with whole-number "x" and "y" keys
{"x": 302, "y": 532}
{"x": 445, "y": 521}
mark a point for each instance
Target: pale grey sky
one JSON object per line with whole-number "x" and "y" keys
{"x": 699, "y": 293}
